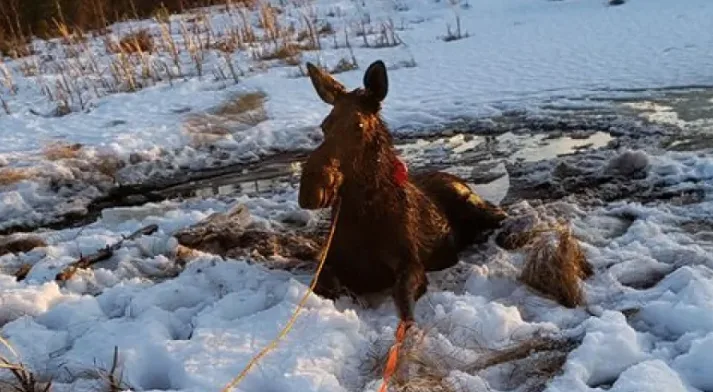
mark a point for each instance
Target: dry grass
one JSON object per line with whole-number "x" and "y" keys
{"x": 248, "y": 108}
{"x": 287, "y": 51}
{"x": 344, "y": 65}
{"x": 111, "y": 378}
{"x": 23, "y": 17}
{"x": 555, "y": 265}
{"x": 22, "y": 271}
{"x": 179, "y": 49}
{"x": 522, "y": 350}
{"x": 226, "y": 45}
{"x": 87, "y": 170}
{"x": 23, "y": 380}
{"x": 20, "y": 244}
{"x": 531, "y": 364}
{"x": 108, "y": 165}
{"x": 114, "y": 376}
{"x": 240, "y": 113}
{"x": 6, "y": 79}
{"x": 457, "y": 33}
{"x": 60, "y": 150}
{"x": 5, "y": 106}
{"x": 136, "y": 42}
{"x": 417, "y": 370}
{"x": 14, "y": 47}
{"x": 387, "y": 36}
{"x": 9, "y": 175}
{"x": 185, "y": 255}
{"x": 424, "y": 373}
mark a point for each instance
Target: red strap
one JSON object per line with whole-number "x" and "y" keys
{"x": 393, "y": 358}
{"x": 400, "y": 172}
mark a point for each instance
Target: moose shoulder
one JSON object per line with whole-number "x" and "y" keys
{"x": 392, "y": 227}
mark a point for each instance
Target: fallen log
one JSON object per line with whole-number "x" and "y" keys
{"x": 232, "y": 234}
{"x": 102, "y": 254}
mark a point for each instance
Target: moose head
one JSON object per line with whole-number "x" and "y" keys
{"x": 356, "y": 140}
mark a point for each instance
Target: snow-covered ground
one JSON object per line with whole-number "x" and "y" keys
{"x": 648, "y": 323}
{"x": 195, "y": 331}
{"x": 517, "y": 54}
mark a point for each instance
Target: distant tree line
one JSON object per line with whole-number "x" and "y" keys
{"x": 22, "y": 18}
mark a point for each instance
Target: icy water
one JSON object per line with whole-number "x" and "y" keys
{"x": 483, "y": 151}
{"x": 691, "y": 110}
{"x": 687, "y": 115}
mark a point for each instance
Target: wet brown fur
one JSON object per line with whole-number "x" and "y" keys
{"x": 388, "y": 234}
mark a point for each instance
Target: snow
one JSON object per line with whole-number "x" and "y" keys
{"x": 194, "y": 332}
{"x": 648, "y": 322}
{"x": 516, "y": 51}
{"x": 649, "y": 376}
{"x": 516, "y": 56}
{"x": 610, "y": 346}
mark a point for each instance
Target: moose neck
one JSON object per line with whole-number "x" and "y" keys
{"x": 370, "y": 186}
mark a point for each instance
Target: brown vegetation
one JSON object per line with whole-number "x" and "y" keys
{"x": 555, "y": 265}
{"x": 392, "y": 227}
{"x": 57, "y": 151}
{"x": 114, "y": 376}
{"x": 14, "y": 47}
{"x": 144, "y": 56}
{"x": 21, "y": 18}
{"x": 20, "y": 244}
{"x": 287, "y": 52}
{"x": 10, "y": 175}
{"x": 136, "y": 42}
{"x": 344, "y": 65}
{"x": 241, "y": 112}
{"x": 23, "y": 380}
{"x": 102, "y": 254}
{"x": 22, "y": 271}
{"x": 231, "y": 235}
{"x": 531, "y": 362}
{"x": 244, "y": 105}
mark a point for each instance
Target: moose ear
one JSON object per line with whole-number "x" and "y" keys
{"x": 376, "y": 81}
{"x": 327, "y": 87}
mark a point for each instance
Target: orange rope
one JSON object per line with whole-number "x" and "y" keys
{"x": 292, "y": 320}
{"x": 393, "y": 358}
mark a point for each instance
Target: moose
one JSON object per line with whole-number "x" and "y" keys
{"x": 392, "y": 227}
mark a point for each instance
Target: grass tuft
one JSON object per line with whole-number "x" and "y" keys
{"x": 20, "y": 244}
{"x": 344, "y": 65}
{"x": 23, "y": 380}
{"x": 555, "y": 264}
{"x": 14, "y": 47}
{"x": 58, "y": 151}
{"x": 137, "y": 42}
{"x": 425, "y": 367}
{"x": 532, "y": 362}
{"x": 282, "y": 52}
{"x": 10, "y": 175}
{"x": 242, "y": 112}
